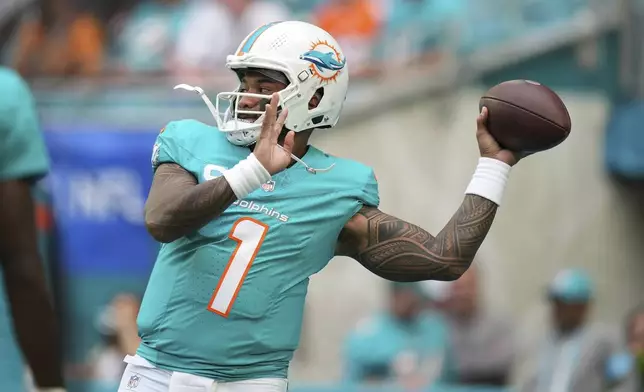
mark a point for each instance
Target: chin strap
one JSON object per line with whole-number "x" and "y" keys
{"x": 309, "y": 168}
{"x": 201, "y": 94}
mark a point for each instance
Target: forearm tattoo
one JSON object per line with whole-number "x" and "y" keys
{"x": 400, "y": 251}
{"x": 177, "y": 205}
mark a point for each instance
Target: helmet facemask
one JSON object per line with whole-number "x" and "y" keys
{"x": 243, "y": 126}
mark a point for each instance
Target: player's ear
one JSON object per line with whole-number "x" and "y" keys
{"x": 316, "y": 98}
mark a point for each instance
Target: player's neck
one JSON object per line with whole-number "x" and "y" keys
{"x": 301, "y": 145}
{"x": 300, "y": 150}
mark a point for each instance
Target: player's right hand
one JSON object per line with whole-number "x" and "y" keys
{"x": 268, "y": 153}
{"x": 488, "y": 146}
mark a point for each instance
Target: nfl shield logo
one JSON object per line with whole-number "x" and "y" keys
{"x": 268, "y": 186}
{"x": 155, "y": 154}
{"x": 134, "y": 382}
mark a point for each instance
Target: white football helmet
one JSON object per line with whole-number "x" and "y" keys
{"x": 309, "y": 58}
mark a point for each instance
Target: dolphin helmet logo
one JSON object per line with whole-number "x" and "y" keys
{"x": 323, "y": 60}
{"x": 326, "y": 61}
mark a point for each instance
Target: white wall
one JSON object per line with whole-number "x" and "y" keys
{"x": 559, "y": 210}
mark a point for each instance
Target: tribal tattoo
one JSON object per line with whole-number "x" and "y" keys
{"x": 400, "y": 251}
{"x": 178, "y": 205}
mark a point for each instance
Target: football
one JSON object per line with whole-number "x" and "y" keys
{"x": 526, "y": 116}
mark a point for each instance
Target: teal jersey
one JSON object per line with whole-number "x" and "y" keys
{"x": 226, "y": 302}
{"x": 22, "y": 156}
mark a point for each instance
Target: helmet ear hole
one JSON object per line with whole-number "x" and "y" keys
{"x": 316, "y": 99}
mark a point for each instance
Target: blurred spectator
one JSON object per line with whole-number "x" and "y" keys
{"x": 574, "y": 356}
{"x": 481, "y": 349}
{"x": 437, "y": 292}
{"x": 52, "y": 40}
{"x": 403, "y": 344}
{"x": 354, "y": 24}
{"x": 215, "y": 28}
{"x": 416, "y": 29}
{"x": 85, "y": 45}
{"x": 636, "y": 343}
{"x": 634, "y": 363}
{"x": 147, "y": 39}
{"x": 117, "y": 326}
{"x": 107, "y": 11}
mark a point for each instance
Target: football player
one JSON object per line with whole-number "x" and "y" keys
{"x": 247, "y": 211}
{"x": 23, "y": 159}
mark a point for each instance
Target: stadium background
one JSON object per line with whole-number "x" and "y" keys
{"x": 410, "y": 114}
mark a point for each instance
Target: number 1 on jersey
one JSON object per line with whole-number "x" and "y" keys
{"x": 249, "y": 234}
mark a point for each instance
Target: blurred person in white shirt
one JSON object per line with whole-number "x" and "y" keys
{"x": 214, "y": 28}
{"x": 117, "y": 326}
{"x": 575, "y": 354}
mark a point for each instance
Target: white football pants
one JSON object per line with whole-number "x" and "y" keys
{"x": 141, "y": 376}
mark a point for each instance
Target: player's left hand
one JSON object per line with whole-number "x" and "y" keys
{"x": 273, "y": 157}
{"x": 488, "y": 146}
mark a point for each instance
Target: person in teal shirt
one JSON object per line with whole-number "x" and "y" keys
{"x": 26, "y": 309}
{"x": 404, "y": 343}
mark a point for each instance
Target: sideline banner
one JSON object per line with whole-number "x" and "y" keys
{"x": 98, "y": 182}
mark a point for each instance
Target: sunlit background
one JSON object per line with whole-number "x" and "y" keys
{"x": 103, "y": 73}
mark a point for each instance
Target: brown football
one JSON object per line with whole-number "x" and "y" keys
{"x": 526, "y": 116}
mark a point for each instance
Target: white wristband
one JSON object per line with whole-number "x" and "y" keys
{"x": 246, "y": 176}
{"x": 489, "y": 179}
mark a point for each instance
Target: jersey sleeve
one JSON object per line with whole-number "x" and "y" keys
{"x": 167, "y": 148}
{"x": 22, "y": 151}
{"x": 370, "y": 196}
